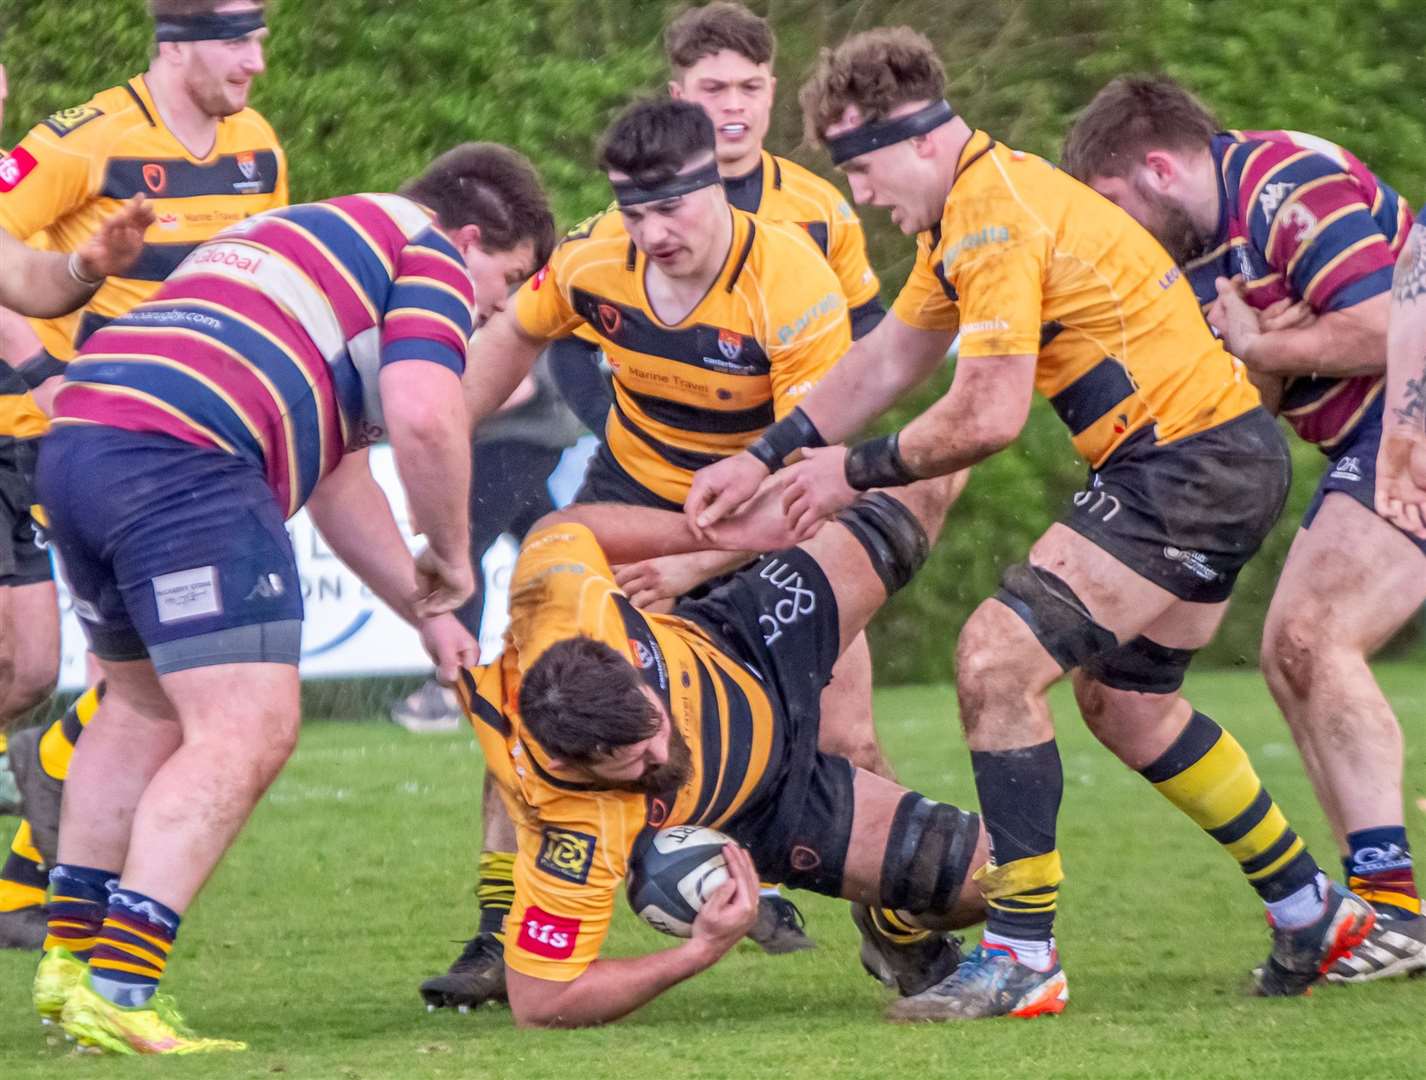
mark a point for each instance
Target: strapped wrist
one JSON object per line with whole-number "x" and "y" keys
{"x": 793, "y": 432}
{"x": 877, "y": 463}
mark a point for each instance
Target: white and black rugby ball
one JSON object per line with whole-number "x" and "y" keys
{"x": 673, "y": 877}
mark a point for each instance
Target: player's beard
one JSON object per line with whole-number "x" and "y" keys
{"x": 211, "y": 96}
{"x": 1172, "y": 226}
{"x": 672, "y": 774}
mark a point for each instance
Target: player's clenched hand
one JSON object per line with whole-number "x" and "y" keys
{"x": 1285, "y": 315}
{"x": 721, "y": 488}
{"x": 656, "y": 581}
{"x": 1401, "y": 482}
{"x": 450, "y": 645}
{"x": 1235, "y": 321}
{"x": 729, "y": 913}
{"x": 816, "y": 487}
{"x": 761, "y": 524}
{"x": 120, "y": 239}
{"x": 441, "y": 586}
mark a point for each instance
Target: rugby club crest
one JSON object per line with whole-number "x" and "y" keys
{"x": 730, "y": 344}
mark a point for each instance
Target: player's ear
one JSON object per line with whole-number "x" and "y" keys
{"x": 675, "y": 89}
{"x": 466, "y": 237}
{"x": 1161, "y": 167}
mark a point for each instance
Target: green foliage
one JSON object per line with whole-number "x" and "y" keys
{"x": 353, "y": 883}
{"x": 364, "y": 93}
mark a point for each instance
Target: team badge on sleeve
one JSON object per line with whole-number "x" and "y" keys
{"x": 550, "y": 936}
{"x": 67, "y": 120}
{"x": 566, "y": 854}
{"x": 14, "y": 167}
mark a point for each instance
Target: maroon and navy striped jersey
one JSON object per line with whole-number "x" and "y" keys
{"x": 1302, "y": 218}
{"x": 268, "y": 341}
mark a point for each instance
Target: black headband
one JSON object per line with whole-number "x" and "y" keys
{"x": 632, "y": 193}
{"x": 215, "y": 27}
{"x": 879, "y": 133}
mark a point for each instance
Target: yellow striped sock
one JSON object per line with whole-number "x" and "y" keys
{"x": 23, "y": 880}
{"x": 1208, "y": 776}
{"x": 57, "y": 744}
{"x": 496, "y": 890}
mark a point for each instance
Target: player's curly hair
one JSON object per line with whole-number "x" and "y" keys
{"x": 581, "y": 700}
{"x": 491, "y": 186}
{"x": 877, "y": 71}
{"x": 1131, "y": 116}
{"x": 713, "y": 28}
{"x": 652, "y": 140}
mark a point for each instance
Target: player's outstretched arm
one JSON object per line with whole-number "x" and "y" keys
{"x": 1401, "y": 461}
{"x": 868, "y": 380}
{"x": 45, "y": 284}
{"x": 630, "y": 534}
{"x": 610, "y": 989}
{"x": 501, "y": 356}
{"x": 982, "y": 413}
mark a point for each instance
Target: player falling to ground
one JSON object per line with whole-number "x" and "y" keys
{"x": 182, "y": 135}
{"x": 602, "y": 725}
{"x": 1052, "y": 288}
{"x": 715, "y": 322}
{"x": 184, "y": 435}
{"x": 1289, "y": 243}
{"x": 1401, "y": 462}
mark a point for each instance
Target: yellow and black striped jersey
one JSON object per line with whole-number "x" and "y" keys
{"x": 1027, "y": 261}
{"x": 689, "y": 394}
{"x": 77, "y": 166}
{"x": 574, "y": 840}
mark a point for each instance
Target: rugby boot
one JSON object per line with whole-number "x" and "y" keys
{"x": 431, "y": 709}
{"x": 1394, "y": 946}
{"x": 40, "y": 793}
{"x": 989, "y": 982}
{"x": 24, "y": 928}
{"x": 476, "y": 976}
{"x": 96, "y": 1023}
{"x": 1301, "y": 956}
{"x": 906, "y": 968}
{"x": 779, "y": 928}
{"x": 60, "y": 971}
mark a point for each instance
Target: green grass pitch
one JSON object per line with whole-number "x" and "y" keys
{"x": 354, "y": 879}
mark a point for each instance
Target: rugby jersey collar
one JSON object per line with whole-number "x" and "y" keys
{"x": 138, "y": 89}
{"x": 1222, "y": 143}
{"x": 752, "y": 187}
{"x": 977, "y": 146}
{"x": 744, "y": 233}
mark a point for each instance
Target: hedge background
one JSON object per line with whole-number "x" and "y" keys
{"x": 364, "y": 92}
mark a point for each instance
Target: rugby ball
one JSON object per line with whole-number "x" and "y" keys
{"x": 675, "y": 874}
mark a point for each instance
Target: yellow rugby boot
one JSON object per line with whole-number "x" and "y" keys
{"x": 60, "y": 971}
{"x": 155, "y": 1028}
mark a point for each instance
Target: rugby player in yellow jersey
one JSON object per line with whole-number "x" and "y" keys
{"x": 182, "y": 136}
{"x": 602, "y": 724}
{"x": 1053, "y": 288}
{"x": 715, "y": 323}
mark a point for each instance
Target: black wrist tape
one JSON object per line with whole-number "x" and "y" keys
{"x": 790, "y": 434}
{"x": 877, "y": 463}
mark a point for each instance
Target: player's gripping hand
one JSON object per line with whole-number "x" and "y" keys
{"x": 120, "y": 239}
{"x": 441, "y": 586}
{"x": 1401, "y": 482}
{"x": 721, "y": 488}
{"x": 450, "y": 645}
{"x": 729, "y": 913}
{"x": 816, "y": 488}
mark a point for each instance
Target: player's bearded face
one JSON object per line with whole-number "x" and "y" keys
{"x": 672, "y": 774}
{"x": 218, "y": 74}
{"x": 1166, "y": 218}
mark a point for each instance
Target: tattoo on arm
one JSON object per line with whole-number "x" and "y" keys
{"x": 1408, "y": 280}
{"x": 1412, "y": 415}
